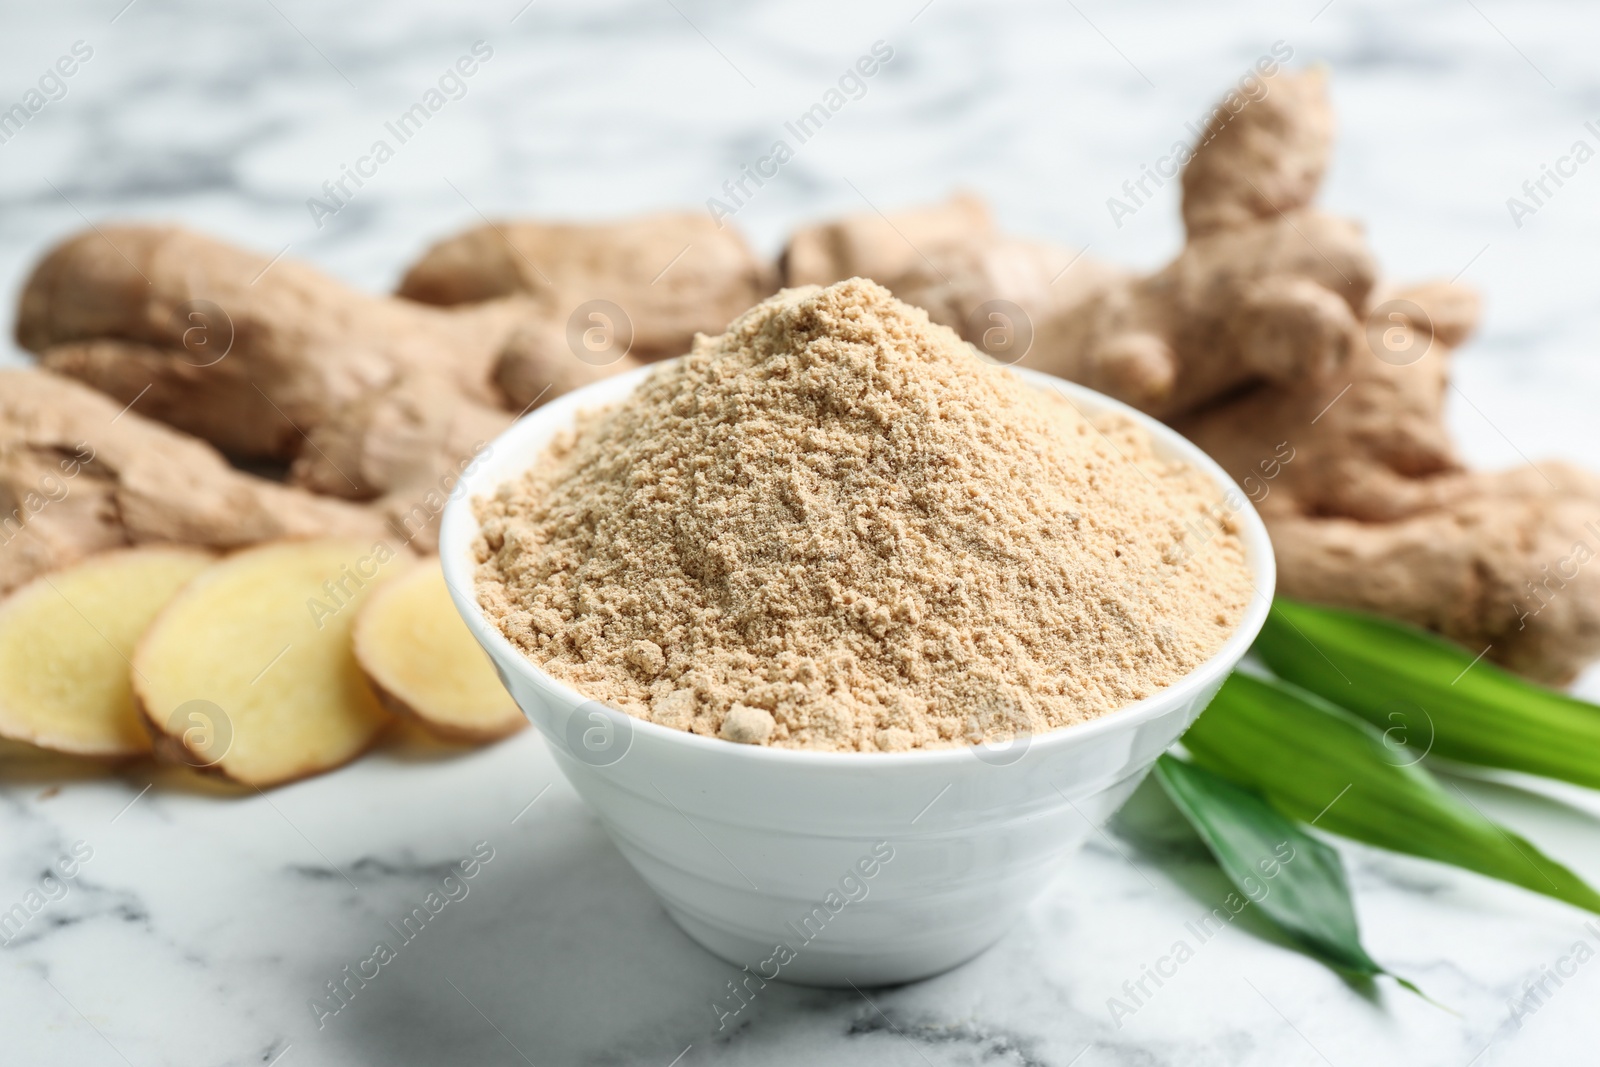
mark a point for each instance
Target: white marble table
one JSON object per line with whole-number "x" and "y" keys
{"x": 201, "y": 926}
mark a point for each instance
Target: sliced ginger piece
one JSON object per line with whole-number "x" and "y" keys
{"x": 425, "y": 664}
{"x": 249, "y": 671}
{"x": 65, "y": 640}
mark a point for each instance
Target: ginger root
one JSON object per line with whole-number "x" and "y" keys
{"x": 1500, "y": 567}
{"x": 1372, "y": 508}
{"x": 672, "y": 274}
{"x": 951, "y": 260}
{"x": 1375, "y": 511}
{"x": 885, "y": 249}
{"x": 368, "y": 398}
{"x": 1266, "y": 288}
{"x": 79, "y": 475}
{"x": 223, "y": 343}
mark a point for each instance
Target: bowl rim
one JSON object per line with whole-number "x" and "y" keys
{"x": 459, "y": 528}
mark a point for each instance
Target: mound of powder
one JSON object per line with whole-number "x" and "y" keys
{"x": 836, "y": 527}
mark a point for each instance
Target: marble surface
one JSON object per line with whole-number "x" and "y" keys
{"x": 202, "y": 925}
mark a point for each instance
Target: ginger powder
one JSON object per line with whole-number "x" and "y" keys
{"x": 835, "y": 527}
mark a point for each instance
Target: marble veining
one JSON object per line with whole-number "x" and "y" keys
{"x": 206, "y": 922}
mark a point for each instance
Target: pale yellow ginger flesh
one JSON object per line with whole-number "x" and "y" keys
{"x": 65, "y": 640}
{"x": 424, "y": 662}
{"x": 250, "y": 671}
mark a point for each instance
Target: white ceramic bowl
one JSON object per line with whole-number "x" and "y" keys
{"x": 864, "y": 868}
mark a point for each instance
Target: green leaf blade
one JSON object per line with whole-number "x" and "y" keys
{"x": 1325, "y": 766}
{"x": 1432, "y": 694}
{"x": 1297, "y": 881}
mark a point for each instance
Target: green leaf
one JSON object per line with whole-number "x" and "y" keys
{"x": 1323, "y": 765}
{"x": 1431, "y": 694}
{"x": 1297, "y": 881}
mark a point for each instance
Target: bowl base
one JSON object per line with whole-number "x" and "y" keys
{"x": 835, "y": 968}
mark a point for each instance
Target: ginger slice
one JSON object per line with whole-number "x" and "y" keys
{"x": 249, "y": 671}
{"x": 65, "y": 639}
{"x": 424, "y": 662}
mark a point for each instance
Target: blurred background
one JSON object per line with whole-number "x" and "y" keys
{"x": 228, "y": 118}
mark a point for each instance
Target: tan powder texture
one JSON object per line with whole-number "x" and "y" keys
{"x": 835, "y": 527}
